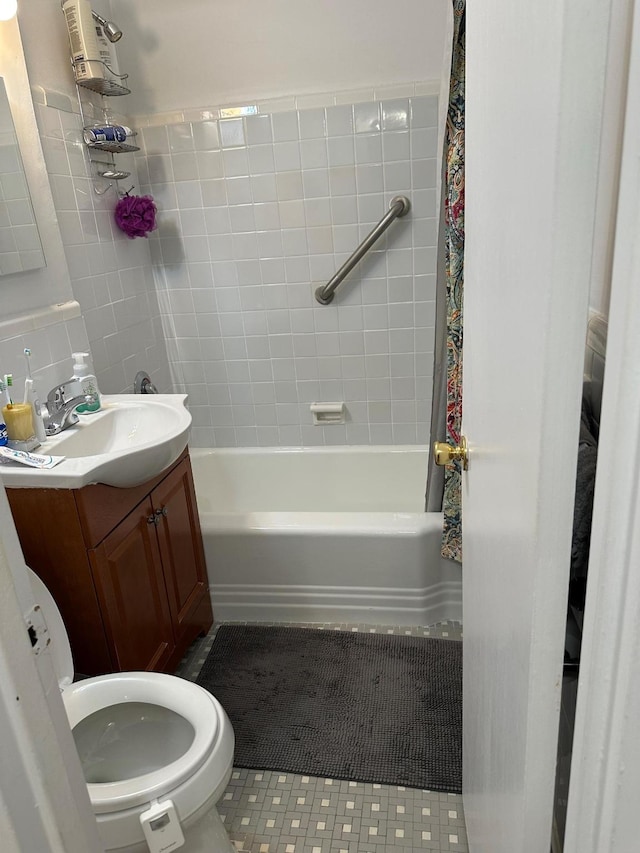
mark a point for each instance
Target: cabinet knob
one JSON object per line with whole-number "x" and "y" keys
{"x": 153, "y": 519}
{"x": 162, "y": 512}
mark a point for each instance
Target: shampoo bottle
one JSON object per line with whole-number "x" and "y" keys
{"x": 85, "y": 52}
{"x": 86, "y": 383}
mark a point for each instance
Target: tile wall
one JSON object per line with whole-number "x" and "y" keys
{"x": 51, "y": 333}
{"x": 111, "y": 275}
{"x": 255, "y": 212}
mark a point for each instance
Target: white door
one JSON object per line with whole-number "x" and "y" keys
{"x": 535, "y": 74}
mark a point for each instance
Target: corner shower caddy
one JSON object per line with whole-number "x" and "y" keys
{"x": 108, "y": 88}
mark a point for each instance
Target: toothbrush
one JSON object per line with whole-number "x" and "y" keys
{"x": 28, "y": 383}
{"x": 8, "y": 382}
{"x": 31, "y": 397}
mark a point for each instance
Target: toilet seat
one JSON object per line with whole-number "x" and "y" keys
{"x": 189, "y": 701}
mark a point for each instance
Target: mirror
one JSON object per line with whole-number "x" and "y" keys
{"x": 20, "y": 246}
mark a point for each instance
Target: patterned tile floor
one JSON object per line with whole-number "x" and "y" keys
{"x": 273, "y": 812}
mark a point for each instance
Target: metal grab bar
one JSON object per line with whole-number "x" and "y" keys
{"x": 399, "y": 206}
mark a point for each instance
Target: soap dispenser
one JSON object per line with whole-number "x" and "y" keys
{"x": 87, "y": 383}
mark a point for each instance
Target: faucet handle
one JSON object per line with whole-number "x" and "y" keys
{"x": 57, "y": 395}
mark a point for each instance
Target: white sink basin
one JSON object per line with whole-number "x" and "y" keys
{"x": 129, "y": 441}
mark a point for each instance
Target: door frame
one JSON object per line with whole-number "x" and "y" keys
{"x": 604, "y": 786}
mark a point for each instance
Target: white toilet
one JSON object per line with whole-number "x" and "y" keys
{"x": 156, "y": 751}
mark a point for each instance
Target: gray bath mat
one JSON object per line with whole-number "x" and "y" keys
{"x": 340, "y": 704}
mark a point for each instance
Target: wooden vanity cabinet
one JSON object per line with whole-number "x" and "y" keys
{"x": 125, "y": 566}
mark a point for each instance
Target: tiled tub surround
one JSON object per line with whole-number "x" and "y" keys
{"x": 255, "y": 213}
{"x": 111, "y": 275}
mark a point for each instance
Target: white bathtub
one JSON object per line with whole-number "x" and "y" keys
{"x": 323, "y": 535}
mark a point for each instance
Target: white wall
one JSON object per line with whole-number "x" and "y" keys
{"x": 196, "y": 53}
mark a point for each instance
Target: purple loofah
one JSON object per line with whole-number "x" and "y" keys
{"x": 136, "y": 215}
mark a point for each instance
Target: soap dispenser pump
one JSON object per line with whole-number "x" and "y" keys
{"x": 87, "y": 383}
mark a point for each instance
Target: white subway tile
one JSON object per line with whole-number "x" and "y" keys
{"x": 317, "y": 212}
{"x": 341, "y": 151}
{"x": 252, "y": 298}
{"x": 270, "y": 245}
{"x": 315, "y": 183}
{"x": 285, "y": 126}
{"x": 267, "y": 217}
{"x": 264, "y": 392}
{"x": 369, "y": 179}
{"x": 258, "y": 347}
{"x": 209, "y": 164}
{"x": 192, "y": 222}
{"x": 339, "y": 120}
{"x": 275, "y": 296}
{"x": 424, "y": 143}
{"x": 351, "y": 343}
{"x": 187, "y": 194}
{"x": 206, "y": 136}
{"x": 231, "y": 132}
{"x": 320, "y": 240}
{"x": 344, "y": 210}
{"x": 286, "y": 156}
{"x": 180, "y": 137}
{"x": 235, "y": 161}
{"x": 371, "y": 208}
{"x": 261, "y": 159}
{"x": 184, "y": 166}
{"x": 289, "y": 185}
{"x": 238, "y": 190}
{"x": 272, "y": 270}
{"x": 221, "y": 247}
{"x": 294, "y": 244}
{"x": 367, "y": 117}
{"x": 263, "y": 188}
{"x": 242, "y": 218}
{"x": 312, "y": 123}
{"x": 397, "y": 177}
{"x": 424, "y": 111}
{"x": 424, "y": 173}
{"x": 342, "y": 180}
{"x": 396, "y": 146}
{"x": 218, "y": 220}
{"x": 313, "y": 153}
{"x": 296, "y": 270}
{"x": 265, "y": 415}
{"x": 258, "y": 129}
{"x": 156, "y": 140}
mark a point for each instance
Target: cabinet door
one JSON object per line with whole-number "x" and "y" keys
{"x": 128, "y": 575}
{"x": 180, "y": 539}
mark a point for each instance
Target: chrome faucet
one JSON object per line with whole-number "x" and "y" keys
{"x": 60, "y": 411}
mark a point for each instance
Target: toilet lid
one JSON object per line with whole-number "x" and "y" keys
{"x": 59, "y": 645}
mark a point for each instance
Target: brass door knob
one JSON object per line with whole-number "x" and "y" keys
{"x": 445, "y": 454}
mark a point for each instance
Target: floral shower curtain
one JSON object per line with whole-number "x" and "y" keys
{"x": 454, "y": 269}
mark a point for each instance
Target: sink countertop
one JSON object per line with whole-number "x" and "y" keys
{"x": 128, "y": 442}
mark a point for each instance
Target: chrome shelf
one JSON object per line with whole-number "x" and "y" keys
{"x": 105, "y": 87}
{"x": 112, "y": 147}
